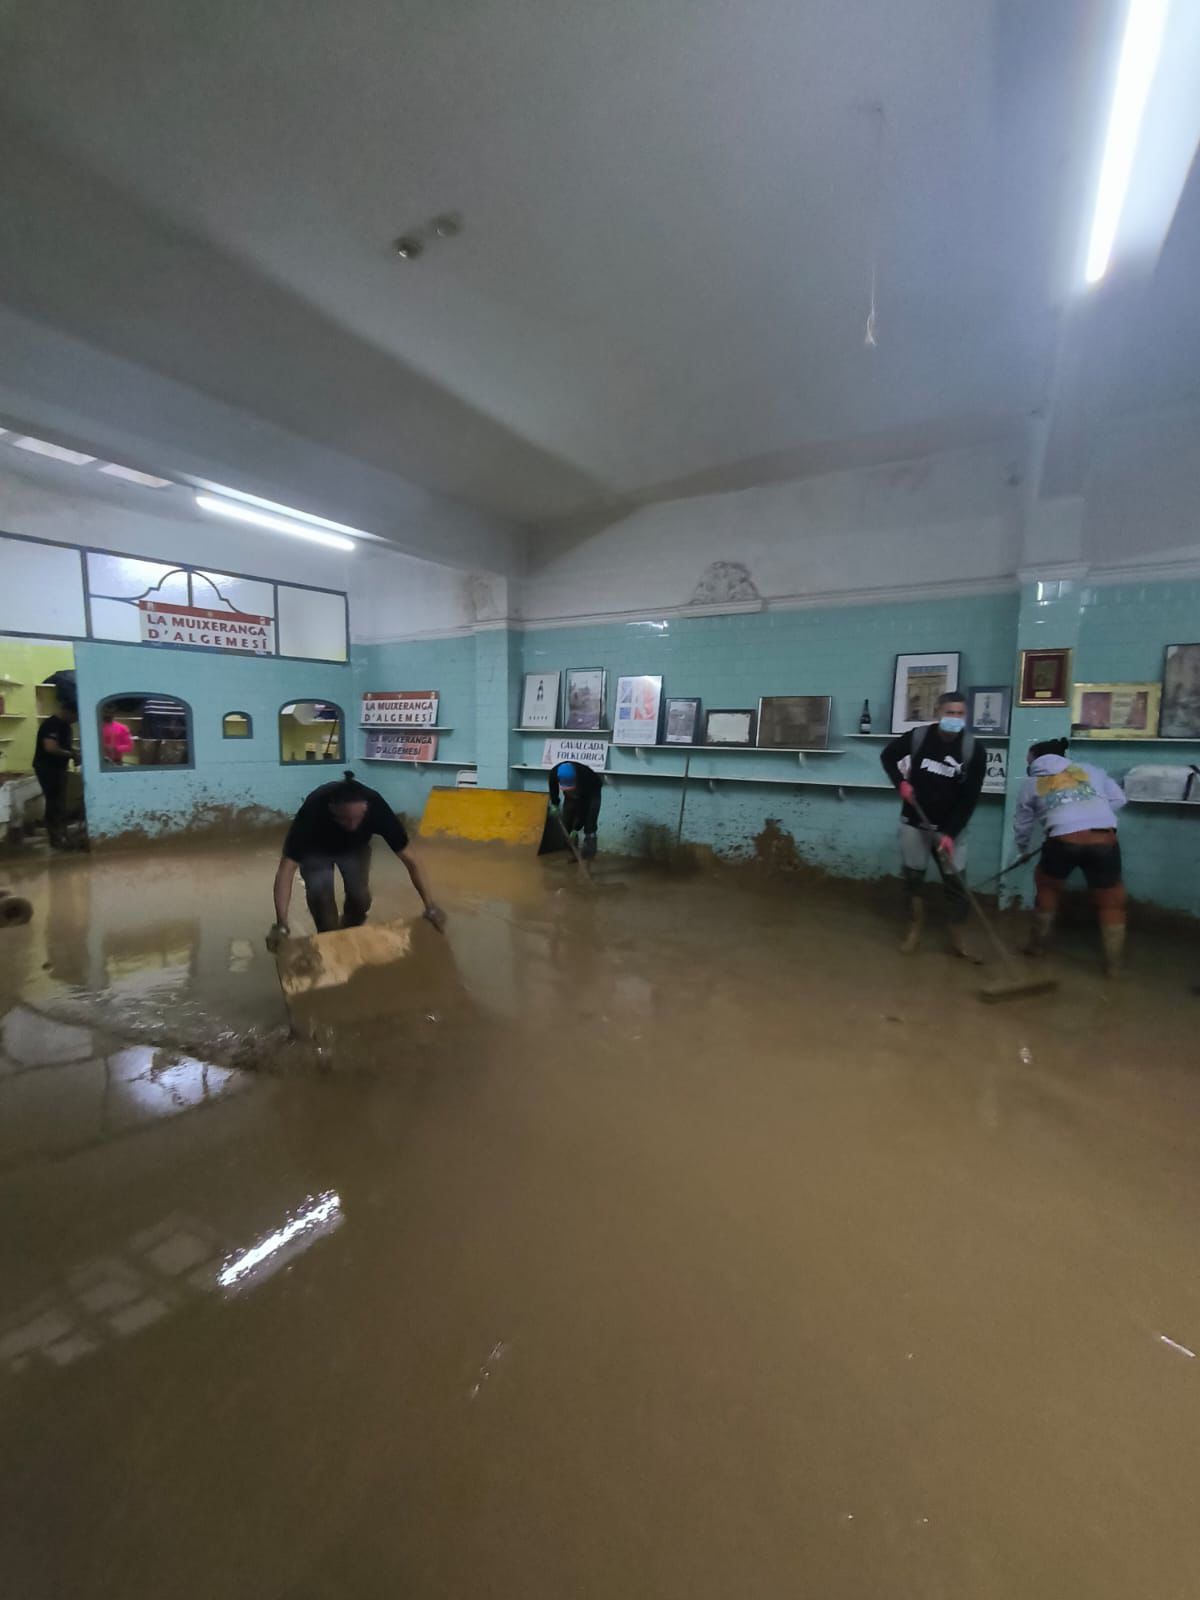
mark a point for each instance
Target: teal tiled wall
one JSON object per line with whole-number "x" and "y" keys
{"x": 227, "y": 772}
{"x": 447, "y": 665}
{"x": 729, "y": 661}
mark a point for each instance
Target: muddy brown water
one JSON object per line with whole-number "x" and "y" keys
{"x": 686, "y": 1241}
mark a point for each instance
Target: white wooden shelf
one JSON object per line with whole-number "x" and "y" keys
{"x": 740, "y": 749}
{"x": 1191, "y": 804}
{"x": 412, "y": 761}
{"x": 13, "y": 716}
{"x": 1108, "y": 738}
{"x": 404, "y": 727}
{"x": 11, "y": 683}
{"x": 573, "y": 733}
{"x": 986, "y": 738}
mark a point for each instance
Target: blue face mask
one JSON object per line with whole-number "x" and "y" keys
{"x": 952, "y": 724}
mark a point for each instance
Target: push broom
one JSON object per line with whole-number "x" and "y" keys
{"x": 1015, "y": 986}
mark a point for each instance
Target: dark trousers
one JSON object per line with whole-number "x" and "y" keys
{"x": 54, "y": 789}
{"x": 579, "y": 813}
{"x": 318, "y": 871}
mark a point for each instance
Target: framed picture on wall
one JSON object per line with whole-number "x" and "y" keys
{"x": 729, "y": 727}
{"x": 918, "y": 682}
{"x": 794, "y": 721}
{"x": 1115, "y": 710}
{"x": 989, "y": 708}
{"x": 1180, "y": 717}
{"x": 1045, "y": 677}
{"x": 639, "y": 700}
{"x": 682, "y": 724}
{"x": 586, "y": 697}
{"x": 539, "y": 700}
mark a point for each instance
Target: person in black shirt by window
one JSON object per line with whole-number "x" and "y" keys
{"x": 52, "y": 758}
{"x": 945, "y": 776}
{"x": 580, "y": 790}
{"x": 332, "y": 831}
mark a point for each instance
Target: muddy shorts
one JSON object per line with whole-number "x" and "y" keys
{"x": 916, "y": 848}
{"x": 1100, "y": 863}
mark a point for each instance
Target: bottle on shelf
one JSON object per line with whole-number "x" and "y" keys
{"x": 864, "y": 722}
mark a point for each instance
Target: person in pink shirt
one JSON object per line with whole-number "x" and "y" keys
{"x": 115, "y": 739}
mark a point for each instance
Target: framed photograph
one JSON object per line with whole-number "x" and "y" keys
{"x": 586, "y": 697}
{"x": 918, "y": 682}
{"x": 729, "y": 727}
{"x": 794, "y": 721}
{"x": 1045, "y": 677}
{"x": 1180, "y": 718}
{"x": 539, "y": 700}
{"x": 989, "y": 709}
{"x": 639, "y": 700}
{"x": 1115, "y": 710}
{"x": 682, "y": 724}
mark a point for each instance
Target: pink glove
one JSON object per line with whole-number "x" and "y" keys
{"x": 946, "y": 845}
{"x": 907, "y": 792}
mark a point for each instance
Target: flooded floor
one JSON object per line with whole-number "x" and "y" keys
{"x": 674, "y": 1240}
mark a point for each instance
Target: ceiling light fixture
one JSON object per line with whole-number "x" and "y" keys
{"x": 130, "y": 475}
{"x": 264, "y": 519}
{"x": 56, "y": 452}
{"x": 1140, "y": 46}
{"x": 409, "y": 247}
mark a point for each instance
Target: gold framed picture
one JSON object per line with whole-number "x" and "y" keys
{"x": 1115, "y": 710}
{"x": 1045, "y": 677}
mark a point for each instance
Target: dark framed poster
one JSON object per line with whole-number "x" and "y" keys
{"x": 682, "y": 725}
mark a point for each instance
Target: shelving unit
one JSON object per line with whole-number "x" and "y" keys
{"x": 986, "y": 738}
{"x": 571, "y": 733}
{"x": 404, "y": 727}
{"x": 1108, "y": 738}
{"x": 393, "y": 761}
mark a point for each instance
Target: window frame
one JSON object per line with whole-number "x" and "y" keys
{"x": 109, "y": 769}
{"x": 323, "y": 700}
{"x": 242, "y": 738}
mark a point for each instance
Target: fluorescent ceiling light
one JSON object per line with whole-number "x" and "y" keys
{"x": 1140, "y": 48}
{"x": 288, "y": 512}
{"x": 131, "y": 475}
{"x": 43, "y": 447}
{"x": 264, "y": 519}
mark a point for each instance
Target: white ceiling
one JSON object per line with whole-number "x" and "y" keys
{"x": 671, "y": 213}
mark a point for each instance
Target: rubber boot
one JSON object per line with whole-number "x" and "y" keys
{"x": 1113, "y": 937}
{"x": 912, "y": 936}
{"x": 1039, "y": 934}
{"x": 589, "y": 846}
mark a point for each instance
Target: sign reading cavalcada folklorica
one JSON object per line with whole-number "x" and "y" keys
{"x": 408, "y": 708}
{"x": 206, "y": 629}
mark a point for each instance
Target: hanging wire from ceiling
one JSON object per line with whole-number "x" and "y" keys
{"x": 878, "y": 120}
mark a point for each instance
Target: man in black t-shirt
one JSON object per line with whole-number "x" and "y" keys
{"x": 332, "y": 831}
{"x": 945, "y": 777}
{"x": 580, "y": 790}
{"x": 52, "y": 757}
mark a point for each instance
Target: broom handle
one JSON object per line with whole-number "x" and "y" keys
{"x": 948, "y": 868}
{"x": 1011, "y": 867}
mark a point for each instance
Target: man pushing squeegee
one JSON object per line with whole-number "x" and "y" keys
{"x": 331, "y": 833}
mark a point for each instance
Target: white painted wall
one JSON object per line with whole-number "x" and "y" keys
{"x": 1142, "y": 505}
{"x": 917, "y": 525}
{"x": 392, "y": 596}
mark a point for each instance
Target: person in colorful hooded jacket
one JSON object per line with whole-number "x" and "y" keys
{"x": 1076, "y": 805}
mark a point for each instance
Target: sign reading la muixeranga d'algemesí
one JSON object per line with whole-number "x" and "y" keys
{"x": 209, "y": 630}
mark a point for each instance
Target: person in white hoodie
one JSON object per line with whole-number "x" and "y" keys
{"x": 1076, "y": 805}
